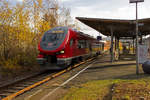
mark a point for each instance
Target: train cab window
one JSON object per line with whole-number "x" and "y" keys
{"x": 71, "y": 42}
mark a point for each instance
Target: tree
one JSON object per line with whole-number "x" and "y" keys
{"x": 23, "y": 24}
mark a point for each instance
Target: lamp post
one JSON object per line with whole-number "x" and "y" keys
{"x": 137, "y": 42}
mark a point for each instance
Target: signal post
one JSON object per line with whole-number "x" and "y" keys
{"x": 137, "y": 42}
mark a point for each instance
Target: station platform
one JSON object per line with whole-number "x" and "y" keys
{"x": 99, "y": 69}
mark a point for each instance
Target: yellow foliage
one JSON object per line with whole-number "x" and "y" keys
{"x": 10, "y": 64}
{"x": 22, "y": 25}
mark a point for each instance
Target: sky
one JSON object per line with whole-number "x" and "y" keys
{"x": 114, "y": 9}
{"x": 106, "y": 8}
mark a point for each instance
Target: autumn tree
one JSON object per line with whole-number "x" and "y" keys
{"x": 23, "y": 24}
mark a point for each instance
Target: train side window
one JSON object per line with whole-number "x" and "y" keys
{"x": 81, "y": 44}
{"x": 71, "y": 42}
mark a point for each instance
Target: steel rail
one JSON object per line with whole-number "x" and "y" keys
{"x": 12, "y": 96}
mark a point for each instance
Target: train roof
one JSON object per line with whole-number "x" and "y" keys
{"x": 86, "y": 35}
{"x": 83, "y": 34}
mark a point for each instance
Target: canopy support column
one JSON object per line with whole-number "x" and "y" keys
{"x": 112, "y": 49}
{"x": 133, "y": 46}
{"x": 141, "y": 39}
{"x": 116, "y": 52}
{"x": 118, "y": 47}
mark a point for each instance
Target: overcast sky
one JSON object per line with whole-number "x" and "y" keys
{"x": 116, "y": 9}
{"x": 106, "y": 8}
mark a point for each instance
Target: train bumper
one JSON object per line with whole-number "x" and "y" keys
{"x": 63, "y": 61}
{"x": 41, "y": 61}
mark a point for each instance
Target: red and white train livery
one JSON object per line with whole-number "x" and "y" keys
{"x": 63, "y": 46}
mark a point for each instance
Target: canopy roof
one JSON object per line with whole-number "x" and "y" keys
{"x": 121, "y": 28}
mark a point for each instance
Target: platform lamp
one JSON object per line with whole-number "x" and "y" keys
{"x": 137, "y": 43}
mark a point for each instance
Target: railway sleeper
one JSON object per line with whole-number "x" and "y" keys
{"x": 2, "y": 95}
{"x": 16, "y": 88}
{"x": 25, "y": 85}
{"x": 9, "y": 91}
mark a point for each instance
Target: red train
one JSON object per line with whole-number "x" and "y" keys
{"x": 62, "y": 46}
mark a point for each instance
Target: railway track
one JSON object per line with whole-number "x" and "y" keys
{"x": 21, "y": 84}
{"x": 12, "y": 90}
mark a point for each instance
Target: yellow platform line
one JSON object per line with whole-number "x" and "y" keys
{"x": 10, "y": 97}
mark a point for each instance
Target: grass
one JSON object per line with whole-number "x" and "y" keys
{"x": 110, "y": 90}
{"x": 88, "y": 91}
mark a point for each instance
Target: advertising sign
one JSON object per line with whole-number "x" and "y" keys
{"x": 143, "y": 53}
{"x": 134, "y": 1}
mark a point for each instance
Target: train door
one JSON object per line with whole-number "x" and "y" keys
{"x": 90, "y": 47}
{"x": 72, "y": 47}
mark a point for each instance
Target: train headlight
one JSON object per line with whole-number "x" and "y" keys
{"x": 62, "y": 51}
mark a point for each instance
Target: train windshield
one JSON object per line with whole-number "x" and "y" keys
{"x": 53, "y": 38}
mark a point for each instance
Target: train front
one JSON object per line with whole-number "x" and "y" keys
{"x": 52, "y": 45}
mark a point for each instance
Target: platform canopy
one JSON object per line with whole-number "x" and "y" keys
{"x": 121, "y": 28}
